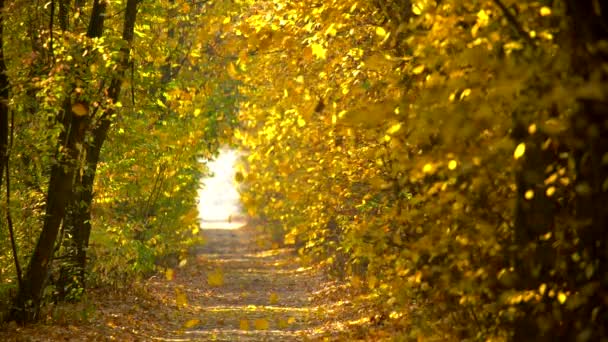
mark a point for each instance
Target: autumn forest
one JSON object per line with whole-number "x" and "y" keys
{"x": 409, "y": 170}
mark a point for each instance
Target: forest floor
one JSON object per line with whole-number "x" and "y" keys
{"x": 236, "y": 287}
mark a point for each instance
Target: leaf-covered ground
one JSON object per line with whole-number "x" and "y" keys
{"x": 236, "y": 287}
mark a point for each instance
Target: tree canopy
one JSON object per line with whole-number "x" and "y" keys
{"x": 448, "y": 158}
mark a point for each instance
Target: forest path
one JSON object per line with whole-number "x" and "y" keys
{"x": 236, "y": 287}
{"x": 244, "y": 290}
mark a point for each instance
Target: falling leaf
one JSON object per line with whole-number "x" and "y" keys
{"x": 215, "y": 278}
{"x": 545, "y": 11}
{"x": 465, "y": 93}
{"x": 331, "y": 30}
{"x": 418, "y": 70}
{"x": 519, "y": 151}
{"x": 427, "y": 168}
{"x": 452, "y": 164}
{"x": 380, "y": 31}
{"x": 232, "y": 71}
{"x": 192, "y": 323}
{"x": 244, "y": 324}
{"x": 180, "y": 297}
{"x": 394, "y": 128}
{"x": 561, "y": 297}
{"x": 169, "y": 274}
{"x": 261, "y": 324}
{"x": 282, "y": 323}
{"x": 274, "y": 298}
{"x": 291, "y": 320}
{"x": 529, "y": 194}
{"x": 80, "y": 109}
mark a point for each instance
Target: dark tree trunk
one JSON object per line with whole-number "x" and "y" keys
{"x": 78, "y": 220}
{"x": 581, "y": 315}
{"x": 589, "y": 34}
{"x": 59, "y": 195}
{"x": 4, "y": 141}
{"x": 71, "y": 275}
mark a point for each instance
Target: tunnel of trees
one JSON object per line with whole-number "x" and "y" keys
{"x": 450, "y": 157}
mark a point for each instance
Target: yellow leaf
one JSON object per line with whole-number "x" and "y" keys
{"x": 282, "y": 323}
{"x": 465, "y": 93}
{"x": 545, "y": 11}
{"x": 427, "y": 168}
{"x": 261, "y": 324}
{"x": 291, "y": 320}
{"x": 192, "y": 323}
{"x": 301, "y": 122}
{"x": 394, "y": 128}
{"x": 519, "y": 151}
{"x": 180, "y": 297}
{"x": 380, "y": 31}
{"x": 331, "y": 30}
{"x": 231, "y": 70}
{"x": 452, "y": 164}
{"x": 274, "y": 298}
{"x": 80, "y": 109}
{"x": 529, "y": 194}
{"x": 561, "y": 297}
{"x": 169, "y": 273}
{"x": 318, "y": 51}
{"x": 244, "y": 324}
{"x": 215, "y": 278}
{"x": 417, "y": 8}
{"x": 418, "y": 70}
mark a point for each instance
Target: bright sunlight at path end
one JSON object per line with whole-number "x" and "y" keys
{"x": 219, "y": 202}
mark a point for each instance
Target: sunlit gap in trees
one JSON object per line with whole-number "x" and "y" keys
{"x": 219, "y": 201}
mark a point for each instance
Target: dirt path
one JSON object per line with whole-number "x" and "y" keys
{"x": 234, "y": 288}
{"x": 265, "y": 295}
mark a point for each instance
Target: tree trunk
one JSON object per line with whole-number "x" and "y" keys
{"x": 589, "y": 34}
{"x": 27, "y": 303}
{"x": 78, "y": 220}
{"x": 71, "y": 275}
{"x": 59, "y": 197}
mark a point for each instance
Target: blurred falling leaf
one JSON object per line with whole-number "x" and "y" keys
{"x": 232, "y": 71}
{"x": 418, "y": 70}
{"x": 261, "y": 324}
{"x": 452, "y": 164}
{"x": 274, "y": 298}
{"x": 180, "y": 297}
{"x": 291, "y": 320}
{"x": 192, "y": 323}
{"x": 244, "y": 324}
{"x": 282, "y": 323}
{"x": 519, "y": 151}
{"x": 215, "y": 278}
{"x": 80, "y": 109}
{"x": 169, "y": 274}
